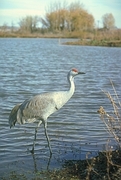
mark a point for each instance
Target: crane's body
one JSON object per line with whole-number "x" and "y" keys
{"x": 41, "y": 106}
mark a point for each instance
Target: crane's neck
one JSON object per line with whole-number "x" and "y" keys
{"x": 72, "y": 85}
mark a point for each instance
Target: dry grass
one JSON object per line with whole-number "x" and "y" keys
{"x": 97, "y": 37}
{"x": 106, "y": 166}
{"x": 112, "y": 120}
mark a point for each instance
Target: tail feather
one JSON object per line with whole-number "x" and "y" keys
{"x": 13, "y": 115}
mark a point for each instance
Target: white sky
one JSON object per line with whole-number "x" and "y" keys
{"x": 13, "y": 10}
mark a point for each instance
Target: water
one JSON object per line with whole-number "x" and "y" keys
{"x": 33, "y": 66}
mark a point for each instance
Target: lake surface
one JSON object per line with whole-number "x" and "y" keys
{"x": 32, "y": 66}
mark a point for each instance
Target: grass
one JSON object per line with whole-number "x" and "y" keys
{"x": 112, "y": 120}
{"x": 95, "y": 42}
{"x": 106, "y": 166}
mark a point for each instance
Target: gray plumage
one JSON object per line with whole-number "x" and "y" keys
{"x": 41, "y": 106}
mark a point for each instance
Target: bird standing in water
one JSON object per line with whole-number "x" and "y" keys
{"x": 41, "y": 106}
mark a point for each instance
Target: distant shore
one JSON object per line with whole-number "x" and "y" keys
{"x": 109, "y": 43}
{"x": 81, "y": 42}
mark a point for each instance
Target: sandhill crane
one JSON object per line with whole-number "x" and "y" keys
{"x": 41, "y": 106}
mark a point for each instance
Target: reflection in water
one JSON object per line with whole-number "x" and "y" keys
{"x": 35, "y": 163}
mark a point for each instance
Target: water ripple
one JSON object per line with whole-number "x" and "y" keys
{"x": 33, "y": 66}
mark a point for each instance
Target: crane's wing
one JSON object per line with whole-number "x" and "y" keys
{"x": 38, "y": 107}
{"x": 13, "y": 115}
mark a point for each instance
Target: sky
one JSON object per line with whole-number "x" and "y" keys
{"x": 11, "y": 11}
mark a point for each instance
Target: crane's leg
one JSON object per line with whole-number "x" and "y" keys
{"x": 36, "y": 129}
{"x": 46, "y": 134}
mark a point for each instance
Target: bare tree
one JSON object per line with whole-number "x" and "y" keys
{"x": 28, "y": 24}
{"x": 4, "y": 27}
{"x": 108, "y": 21}
{"x": 12, "y": 27}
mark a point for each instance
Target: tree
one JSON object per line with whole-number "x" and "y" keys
{"x": 55, "y": 16}
{"x": 12, "y": 26}
{"x": 72, "y": 18}
{"x": 4, "y": 27}
{"x": 80, "y": 19}
{"x": 108, "y": 21}
{"x": 28, "y": 24}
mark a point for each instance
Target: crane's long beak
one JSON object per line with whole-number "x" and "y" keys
{"x": 81, "y": 73}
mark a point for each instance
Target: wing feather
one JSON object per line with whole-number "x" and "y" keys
{"x": 13, "y": 115}
{"x": 38, "y": 107}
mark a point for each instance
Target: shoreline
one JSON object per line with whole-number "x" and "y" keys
{"x": 105, "y": 166}
{"x": 103, "y": 43}
{"x": 79, "y": 42}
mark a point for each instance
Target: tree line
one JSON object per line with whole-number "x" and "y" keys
{"x": 61, "y": 17}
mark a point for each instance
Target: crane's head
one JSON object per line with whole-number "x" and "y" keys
{"x": 73, "y": 72}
